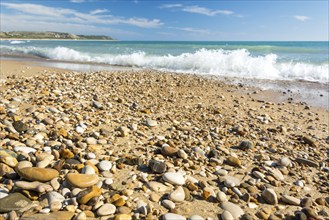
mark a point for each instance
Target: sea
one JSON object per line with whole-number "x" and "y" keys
{"x": 288, "y": 60}
{"x": 296, "y": 70}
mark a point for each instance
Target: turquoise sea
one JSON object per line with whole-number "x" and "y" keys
{"x": 306, "y": 61}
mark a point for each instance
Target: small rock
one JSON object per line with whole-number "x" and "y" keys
{"x": 290, "y": 200}
{"x": 307, "y": 162}
{"x": 86, "y": 195}
{"x": 81, "y": 180}
{"x": 172, "y": 216}
{"x": 157, "y": 166}
{"x": 285, "y": 162}
{"x": 104, "y": 165}
{"x": 196, "y": 217}
{"x": 106, "y": 209}
{"x": 232, "y": 208}
{"x": 234, "y": 161}
{"x": 168, "y": 204}
{"x": 270, "y": 196}
{"x": 308, "y": 140}
{"x": 157, "y": 187}
{"x": 245, "y": 145}
{"x": 37, "y": 173}
{"x": 231, "y": 181}
{"x": 173, "y": 178}
{"x": 168, "y": 150}
{"x": 178, "y": 195}
{"x": 151, "y": 123}
{"x": 20, "y": 126}
{"x": 14, "y": 202}
{"x": 221, "y": 196}
{"x": 226, "y": 215}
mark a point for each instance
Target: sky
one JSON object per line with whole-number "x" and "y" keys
{"x": 216, "y": 20}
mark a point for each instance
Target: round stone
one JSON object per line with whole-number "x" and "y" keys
{"x": 178, "y": 195}
{"x": 245, "y": 145}
{"x": 106, "y": 209}
{"x": 172, "y": 216}
{"x": 221, "y": 196}
{"x": 104, "y": 165}
{"x": 157, "y": 187}
{"x": 37, "y": 173}
{"x": 231, "y": 181}
{"x": 81, "y": 180}
{"x": 174, "y": 178}
{"x": 285, "y": 162}
{"x": 168, "y": 204}
{"x": 226, "y": 215}
{"x": 233, "y": 209}
{"x": 151, "y": 123}
{"x": 196, "y": 217}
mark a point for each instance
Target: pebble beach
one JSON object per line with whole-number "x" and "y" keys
{"x": 144, "y": 144}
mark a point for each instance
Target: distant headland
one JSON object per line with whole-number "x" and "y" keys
{"x": 50, "y": 35}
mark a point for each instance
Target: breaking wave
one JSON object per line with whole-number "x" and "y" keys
{"x": 220, "y": 62}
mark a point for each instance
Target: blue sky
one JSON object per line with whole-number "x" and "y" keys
{"x": 172, "y": 20}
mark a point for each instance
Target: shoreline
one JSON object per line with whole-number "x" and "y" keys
{"x": 307, "y": 92}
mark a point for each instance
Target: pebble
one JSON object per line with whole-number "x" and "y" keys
{"x": 231, "y": 181}
{"x": 233, "y": 209}
{"x": 123, "y": 217}
{"x": 106, "y": 209}
{"x": 86, "y": 195}
{"x": 172, "y": 216}
{"x": 14, "y": 202}
{"x": 34, "y": 186}
{"x": 285, "y": 161}
{"x": 178, "y": 195}
{"x": 168, "y": 204}
{"x": 174, "y": 178}
{"x": 151, "y": 123}
{"x": 104, "y": 165}
{"x": 81, "y": 180}
{"x": 37, "y": 173}
{"x": 245, "y": 145}
{"x": 157, "y": 166}
{"x": 157, "y": 187}
{"x": 307, "y": 162}
{"x": 226, "y": 215}
{"x": 221, "y": 196}
{"x": 195, "y": 217}
{"x": 234, "y": 161}
{"x": 270, "y": 196}
{"x": 290, "y": 200}
{"x": 25, "y": 150}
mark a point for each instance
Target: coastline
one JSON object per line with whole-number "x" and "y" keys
{"x": 306, "y": 92}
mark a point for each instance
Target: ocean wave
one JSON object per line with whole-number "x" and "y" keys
{"x": 17, "y": 42}
{"x": 234, "y": 63}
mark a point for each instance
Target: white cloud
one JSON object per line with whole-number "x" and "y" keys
{"x": 197, "y": 9}
{"x": 77, "y": 1}
{"x": 98, "y": 11}
{"x": 171, "y": 6}
{"x": 205, "y": 11}
{"x": 189, "y": 29}
{"x": 302, "y": 17}
{"x": 38, "y": 13}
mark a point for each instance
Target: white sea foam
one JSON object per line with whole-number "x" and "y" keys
{"x": 17, "y": 42}
{"x": 235, "y": 63}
